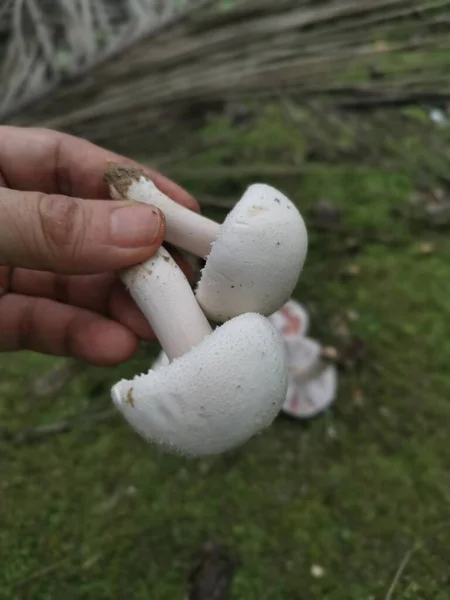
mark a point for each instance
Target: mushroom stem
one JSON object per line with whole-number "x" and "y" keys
{"x": 184, "y": 228}
{"x": 162, "y": 292}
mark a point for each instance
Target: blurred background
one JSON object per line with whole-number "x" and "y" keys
{"x": 344, "y": 106}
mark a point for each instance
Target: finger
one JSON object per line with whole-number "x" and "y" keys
{"x": 5, "y": 275}
{"x": 69, "y": 235}
{"x": 33, "y": 159}
{"x": 102, "y": 293}
{"x": 84, "y": 291}
{"x": 45, "y": 326}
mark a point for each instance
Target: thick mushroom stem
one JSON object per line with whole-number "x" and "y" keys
{"x": 162, "y": 292}
{"x": 184, "y": 228}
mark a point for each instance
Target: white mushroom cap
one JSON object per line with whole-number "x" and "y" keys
{"x": 312, "y": 382}
{"x": 215, "y": 397}
{"x": 291, "y": 320}
{"x": 162, "y": 360}
{"x": 256, "y": 260}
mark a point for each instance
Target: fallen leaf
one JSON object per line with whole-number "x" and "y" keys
{"x": 330, "y": 353}
{"x": 353, "y": 270}
{"x": 427, "y": 248}
{"x": 381, "y": 46}
{"x": 326, "y": 216}
{"x": 431, "y": 207}
{"x": 348, "y": 356}
{"x": 358, "y": 397}
{"x": 351, "y": 354}
{"x": 213, "y": 573}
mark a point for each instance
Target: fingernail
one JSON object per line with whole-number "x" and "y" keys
{"x": 135, "y": 226}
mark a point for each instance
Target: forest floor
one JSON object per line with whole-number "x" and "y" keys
{"x": 353, "y": 505}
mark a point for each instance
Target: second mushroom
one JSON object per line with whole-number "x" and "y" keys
{"x": 253, "y": 260}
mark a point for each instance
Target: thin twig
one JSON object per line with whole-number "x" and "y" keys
{"x": 41, "y": 572}
{"x": 401, "y": 568}
{"x": 43, "y": 34}
{"x": 51, "y": 429}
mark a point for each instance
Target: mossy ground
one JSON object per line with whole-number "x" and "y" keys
{"x": 96, "y": 513}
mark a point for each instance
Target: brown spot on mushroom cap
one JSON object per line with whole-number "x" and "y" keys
{"x": 256, "y": 210}
{"x": 122, "y": 176}
{"x": 129, "y": 399}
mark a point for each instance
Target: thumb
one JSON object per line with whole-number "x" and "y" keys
{"x": 70, "y": 235}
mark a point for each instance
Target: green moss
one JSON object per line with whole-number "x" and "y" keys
{"x": 97, "y": 513}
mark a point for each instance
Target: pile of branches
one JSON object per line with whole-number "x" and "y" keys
{"x": 46, "y": 42}
{"x": 361, "y": 53}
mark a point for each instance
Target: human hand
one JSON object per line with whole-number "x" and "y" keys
{"x": 62, "y": 242}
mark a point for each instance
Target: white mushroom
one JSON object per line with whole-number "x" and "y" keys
{"x": 220, "y": 388}
{"x": 312, "y": 381}
{"x": 253, "y": 260}
{"x": 291, "y": 320}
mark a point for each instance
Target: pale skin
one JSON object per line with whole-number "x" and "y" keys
{"x": 62, "y": 242}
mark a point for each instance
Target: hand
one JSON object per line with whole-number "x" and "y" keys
{"x": 61, "y": 244}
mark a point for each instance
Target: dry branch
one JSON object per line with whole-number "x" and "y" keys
{"x": 257, "y": 48}
{"x": 72, "y": 37}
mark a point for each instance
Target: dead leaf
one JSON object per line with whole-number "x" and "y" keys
{"x": 358, "y": 397}
{"x": 326, "y": 216}
{"x": 381, "y": 46}
{"x": 427, "y": 248}
{"x": 330, "y": 353}
{"x": 353, "y": 271}
{"x": 351, "y": 354}
{"x": 212, "y": 576}
{"x": 431, "y": 207}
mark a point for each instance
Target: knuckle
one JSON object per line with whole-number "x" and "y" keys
{"x": 6, "y": 275}
{"x": 62, "y": 224}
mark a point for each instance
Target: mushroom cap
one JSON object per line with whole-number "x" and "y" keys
{"x": 162, "y": 360}
{"x": 256, "y": 261}
{"x": 291, "y": 320}
{"x": 215, "y": 397}
{"x": 312, "y": 381}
